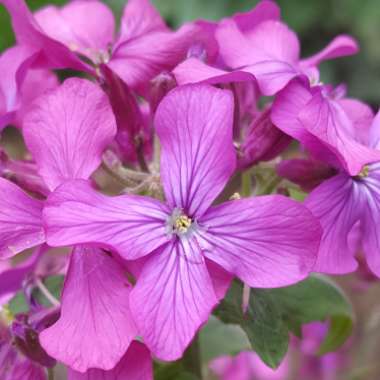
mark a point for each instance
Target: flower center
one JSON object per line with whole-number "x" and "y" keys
{"x": 182, "y": 223}
{"x": 364, "y": 172}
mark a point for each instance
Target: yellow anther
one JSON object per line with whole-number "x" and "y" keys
{"x": 364, "y": 172}
{"x": 6, "y": 315}
{"x": 235, "y": 196}
{"x": 182, "y": 223}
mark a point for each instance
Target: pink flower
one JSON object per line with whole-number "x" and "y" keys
{"x": 342, "y": 133}
{"x": 136, "y": 364}
{"x": 67, "y": 131}
{"x": 256, "y": 239}
{"x": 260, "y": 45}
{"x": 313, "y": 366}
{"x": 247, "y": 365}
{"x": 142, "y": 49}
{"x": 19, "y": 84}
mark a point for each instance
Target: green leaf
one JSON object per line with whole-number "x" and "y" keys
{"x": 217, "y": 339}
{"x": 262, "y": 322}
{"x": 273, "y": 313}
{"x": 18, "y": 304}
{"x": 297, "y": 194}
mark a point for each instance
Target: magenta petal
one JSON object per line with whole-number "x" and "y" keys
{"x": 221, "y": 279}
{"x": 321, "y": 125}
{"x": 262, "y": 142}
{"x": 27, "y": 370}
{"x": 173, "y": 297}
{"x": 139, "y": 18}
{"x": 361, "y": 116}
{"x": 83, "y": 26}
{"x": 20, "y": 220}
{"x": 194, "y": 124}
{"x": 270, "y": 52}
{"x": 53, "y": 53}
{"x": 11, "y": 61}
{"x": 284, "y": 114}
{"x": 193, "y": 70}
{"x": 95, "y": 300}
{"x": 135, "y": 365}
{"x": 306, "y": 173}
{"x": 370, "y": 221}
{"x": 326, "y": 120}
{"x": 273, "y": 40}
{"x": 234, "y": 47}
{"x": 132, "y": 225}
{"x": 267, "y": 241}
{"x": 337, "y": 204}
{"x": 68, "y": 129}
{"x": 265, "y": 10}
{"x": 12, "y": 277}
{"x": 36, "y": 83}
{"x": 374, "y": 134}
{"x": 340, "y": 46}
{"x": 138, "y": 60}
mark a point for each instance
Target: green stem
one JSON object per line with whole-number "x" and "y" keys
{"x": 50, "y": 373}
{"x": 246, "y": 184}
{"x": 192, "y": 359}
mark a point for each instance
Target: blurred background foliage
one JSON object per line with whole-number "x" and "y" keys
{"x": 315, "y": 21}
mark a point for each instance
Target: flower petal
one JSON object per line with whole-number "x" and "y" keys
{"x": 340, "y": 46}
{"x": 173, "y": 297}
{"x": 20, "y": 220}
{"x": 193, "y": 70}
{"x": 321, "y": 125}
{"x": 53, "y": 53}
{"x": 140, "y": 17}
{"x": 26, "y": 369}
{"x": 12, "y": 278}
{"x": 140, "y": 59}
{"x": 337, "y": 204}
{"x": 370, "y": 221}
{"x": 326, "y": 120}
{"x": 270, "y": 52}
{"x": 194, "y": 124}
{"x": 306, "y": 173}
{"x": 80, "y": 25}
{"x": 11, "y": 61}
{"x": 135, "y": 365}
{"x": 67, "y": 131}
{"x": 95, "y": 300}
{"x": 361, "y": 116}
{"x": 267, "y": 241}
{"x": 374, "y": 135}
{"x": 133, "y": 225}
{"x": 265, "y": 10}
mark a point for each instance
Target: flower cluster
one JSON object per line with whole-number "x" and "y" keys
{"x": 136, "y": 162}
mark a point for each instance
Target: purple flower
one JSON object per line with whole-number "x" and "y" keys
{"x": 143, "y": 47}
{"x": 13, "y": 276}
{"x": 313, "y": 366}
{"x": 258, "y": 44}
{"x": 136, "y": 364}
{"x": 256, "y": 239}
{"x": 262, "y": 141}
{"x": 13, "y": 364}
{"x": 247, "y": 365}
{"x": 66, "y": 131}
{"x": 20, "y": 84}
{"x": 342, "y": 133}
